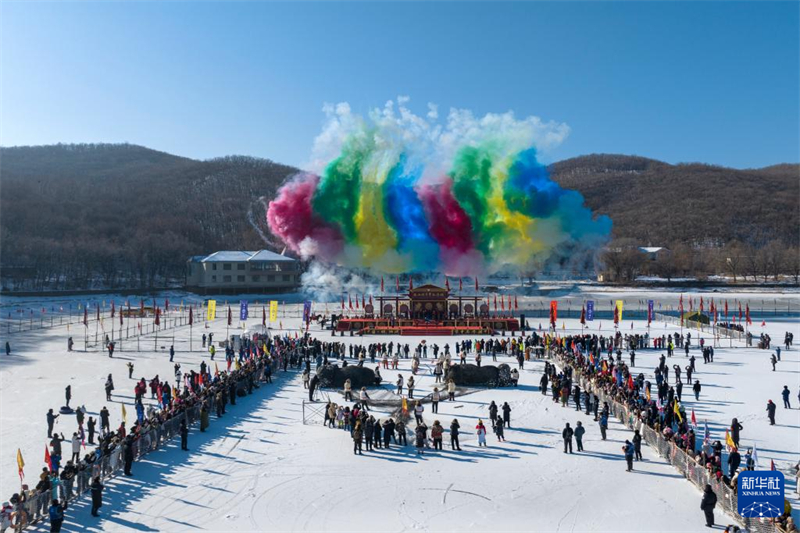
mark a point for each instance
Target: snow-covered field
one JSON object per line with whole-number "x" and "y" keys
{"x": 261, "y": 468}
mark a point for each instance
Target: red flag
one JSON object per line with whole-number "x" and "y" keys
{"x": 350, "y": 301}
{"x": 158, "y": 316}
{"x": 680, "y": 309}
{"x": 495, "y": 302}
{"x": 263, "y": 315}
{"x": 230, "y": 316}
{"x": 694, "y": 420}
{"x": 447, "y": 283}
{"x": 460, "y": 284}
{"x": 763, "y": 323}
{"x": 342, "y": 301}
{"x": 583, "y": 315}
{"x": 191, "y": 316}
{"x": 476, "y": 283}
{"x": 516, "y": 304}
{"x": 726, "y": 309}
{"x": 772, "y": 465}
{"x": 47, "y": 458}
{"x": 113, "y": 309}
{"x": 616, "y": 314}
{"x": 381, "y": 283}
{"x": 747, "y": 315}
{"x": 553, "y": 312}
{"x": 356, "y": 301}
{"x": 363, "y": 301}
{"x": 370, "y": 299}
{"x": 701, "y": 304}
{"x": 502, "y": 302}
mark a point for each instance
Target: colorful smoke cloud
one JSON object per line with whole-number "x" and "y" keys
{"x": 397, "y": 192}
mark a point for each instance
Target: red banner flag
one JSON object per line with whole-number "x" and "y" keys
{"x": 553, "y": 312}
{"x": 726, "y": 309}
{"x": 516, "y": 304}
{"x": 583, "y": 316}
{"x": 460, "y": 284}
{"x": 381, "y": 284}
{"x": 113, "y": 309}
{"x": 230, "y": 316}
{"x": 191, "y": 316}
{"x": 47, "y": 459}
{"x": 747, "y": 315}
{"x": 263, "y": 315}
{"x": 495, "y": 303}
{"x": 447, "y": 283}
{"x": 502, "y": 302}
{"x": 350, "y": 301}
{"x": 701, "y": 304}
{"x": 342, "y": 301}
{"x": 476, "y": 284}
{"x": 158, "y": 317}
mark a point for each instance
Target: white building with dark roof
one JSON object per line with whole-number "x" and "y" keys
{"x": 241, "y": 271}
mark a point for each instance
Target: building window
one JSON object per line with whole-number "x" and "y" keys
{"x": 287, "y": 278}
{"x": 213, "y": 266}
{"x": 214, "y": 278}
{"x": 240, "y": 279}
{"x": 226, "y": 279}
{"x": 240, "y": 266}
{"x": 256, "y": 278}
{"x": 270, "y": 278}
{"x": 226, "y": 266}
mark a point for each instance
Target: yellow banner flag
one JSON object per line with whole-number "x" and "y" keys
{"x": 405, "y": 405}
{"x": 20, "y": 461}
{"x": 619, "y": 307}
{"x": 677, "y": 410}
{"x": 273, "y": 311}
{"x": 647, "y": 394}
{"x": 729, "y": 440}
{"x": 211, "y": 313}
{"x": 124, "y": 414}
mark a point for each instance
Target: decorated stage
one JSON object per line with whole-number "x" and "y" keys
{"x": 427, "y": 310}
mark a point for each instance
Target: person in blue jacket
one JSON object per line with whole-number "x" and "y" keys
{"x": 629, "y": 450}
{"x": 56, "y": 512}
{"x": 603, "y": 425}
{"x": 785, "y": 393}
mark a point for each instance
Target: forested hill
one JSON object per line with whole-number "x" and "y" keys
{"x": 702, "y": 205}
{"x": 123, "y": 215}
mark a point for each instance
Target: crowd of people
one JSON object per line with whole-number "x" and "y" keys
{"x": 193, "y": 397}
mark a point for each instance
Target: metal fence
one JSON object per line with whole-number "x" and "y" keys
{"x": 683, "y": 462}
{"x": 36, "y": 506}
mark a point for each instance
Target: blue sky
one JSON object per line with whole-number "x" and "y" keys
{"x": 714, "y": 82}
